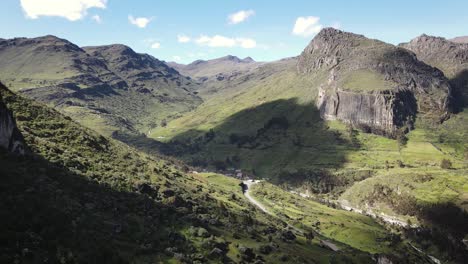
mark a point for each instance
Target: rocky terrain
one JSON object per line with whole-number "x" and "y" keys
{"x": 463, "y": 39}
{"x": 372, "y": 84}
{"x": 449, "y": 56}
{"x": 10, "y": 137}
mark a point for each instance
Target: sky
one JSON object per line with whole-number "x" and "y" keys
{"x": 266, "y": 30}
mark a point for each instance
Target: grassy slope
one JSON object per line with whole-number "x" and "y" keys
{"x": 80, "y": 191}
{"x": 327, "y": 146}
{"x": 106, "y": 99}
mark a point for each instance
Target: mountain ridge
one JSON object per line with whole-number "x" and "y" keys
{"x": 369, "y": 79}
{"x": 91, "y": 84}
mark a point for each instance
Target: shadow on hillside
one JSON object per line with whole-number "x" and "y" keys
{"x": 48, "y": 212}
{"x": 279, "y": 137}
{"x": 460, "y": 91}
{"x": 446, "y": 226}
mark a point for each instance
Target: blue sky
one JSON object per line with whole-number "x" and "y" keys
{"x": 264, "y": 30}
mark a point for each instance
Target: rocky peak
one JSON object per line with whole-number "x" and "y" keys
{"x": 431, "y": 49}
{"x": 230, "y": 58}
{"x": 328, "y": 47}
{"x": 373, "y": 84}
{"x": 44, "y": 43}
{"x": 248, "y": 60}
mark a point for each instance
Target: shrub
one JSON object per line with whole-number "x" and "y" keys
{"x": 446, "y": 164}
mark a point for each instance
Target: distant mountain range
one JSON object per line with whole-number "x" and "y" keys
{"x": 110, "y": 88}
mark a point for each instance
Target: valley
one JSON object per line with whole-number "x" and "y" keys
{"x": 354, "y": 151}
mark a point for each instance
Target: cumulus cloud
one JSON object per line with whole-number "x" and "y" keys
{"x": 71, "y": 9}
{"x": 219, "y": 41}
{"x": 97, "y": 19}
{"x": 183, "y": 39}
{"x": 156, "y": 45}
{"x": 176, "y": 58}
{"x": 140, "y": 22}
{"x": 307, "y": 26}
{"x": 240, "y": 16}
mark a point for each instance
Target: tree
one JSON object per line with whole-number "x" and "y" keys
{"x": 401, "y": 138}
{"x": 309, "y": 236}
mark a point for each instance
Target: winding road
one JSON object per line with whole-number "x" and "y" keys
{"x": 246, "y": 187}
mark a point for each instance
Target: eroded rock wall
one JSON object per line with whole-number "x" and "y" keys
{"x": 10, "y": 137}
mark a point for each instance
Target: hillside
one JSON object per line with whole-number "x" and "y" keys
{"x": 271, "y": 121}
{"x": 81, "y": 197}
{"x": 214, "y": 75}
{"x": 109, "y": 88}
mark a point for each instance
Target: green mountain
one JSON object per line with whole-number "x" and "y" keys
{"x": 315, "y": 124}
{"x": 362, "y": 147}
{"x": 108, "y": 88}
{"x": 80, "y": 197}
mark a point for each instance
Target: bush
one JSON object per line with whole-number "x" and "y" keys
{"x": 446, "y": 164}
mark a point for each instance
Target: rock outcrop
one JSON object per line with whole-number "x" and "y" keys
{"x": 449, "y": 56}
{"x": 372, "y": 84}
{"x": 10, "y": 137}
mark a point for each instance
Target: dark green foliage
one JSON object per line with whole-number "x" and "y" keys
{"x": 446, "y": 164}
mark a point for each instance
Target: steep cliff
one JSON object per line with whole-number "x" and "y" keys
{"x": 372, "y": 84}
{"x": 10, "y": 137}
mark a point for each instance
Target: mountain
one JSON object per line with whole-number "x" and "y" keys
{"x": 359, "y": 157}
{"x": 372, "y": 84}
{"x": 446, "y": 55}
{"x": 213, "y": 75}
{"x": 109, "y": 88}
{"x": 280, "y": 107}
{"x": 84, "y": 198}
{"x": 463, "y": 39}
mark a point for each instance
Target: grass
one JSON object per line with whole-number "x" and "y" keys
{"x": 101, "y": 215}
{"x": 365, "y": 81}
{"x": 348, "y": 228}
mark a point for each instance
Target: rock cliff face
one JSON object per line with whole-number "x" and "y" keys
{"x": 371, "y": 84}
{"x": 10, "y": 137}
{"x": 380, "y": 112}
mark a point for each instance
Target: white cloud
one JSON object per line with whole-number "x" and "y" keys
{"x": 240, "y": 16}
{"x": 307, "y": 26}
{"x": 219, "y": 41}
{"x": 97, "y": 19}
{"x": 183, "y": 38}
{"x": 71, "y": 9}
{"x": 176, "y": 58}
{"x": 140, "y": 22}
{"x": 246, "y": 43}
{"x": 156, "y": 45}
